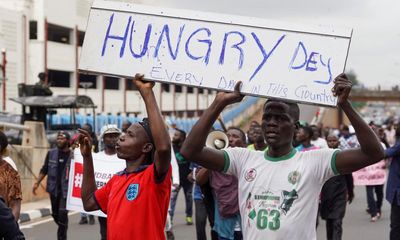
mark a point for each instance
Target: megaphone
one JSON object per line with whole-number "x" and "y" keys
{"x": 217, "y": 139}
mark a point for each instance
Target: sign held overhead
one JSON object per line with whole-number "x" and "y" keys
{"x": 215, "y": 51}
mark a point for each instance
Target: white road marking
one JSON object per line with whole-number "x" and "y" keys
{"x": 23, "y": 226}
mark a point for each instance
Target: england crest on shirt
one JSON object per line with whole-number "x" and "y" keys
{"x": 132, "y": 192}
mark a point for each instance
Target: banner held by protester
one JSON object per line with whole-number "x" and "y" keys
{"x": 215, "y": 51}
{"x": 103, "y": 171}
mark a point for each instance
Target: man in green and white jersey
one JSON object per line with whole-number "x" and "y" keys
{"x": 279, "y": 188}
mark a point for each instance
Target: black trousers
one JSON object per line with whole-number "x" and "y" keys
{"x": 103, "y": 227}
{"x": 334, "y": 229}
{"x": 60, "y": 215}
{"x": 395, "y": 220}
{"x": 374, "y": 206}
{"x": 188, "y": 190}
{"x": 200, "y": 219}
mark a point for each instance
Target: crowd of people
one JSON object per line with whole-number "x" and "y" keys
{"x": 272, "y": 181}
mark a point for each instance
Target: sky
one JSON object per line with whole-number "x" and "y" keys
{"x": 375, "y": 47}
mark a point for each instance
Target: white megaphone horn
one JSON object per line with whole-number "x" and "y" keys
{"x": 217, "y": 139}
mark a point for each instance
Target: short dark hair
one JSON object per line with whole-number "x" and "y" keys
{"x": 243, "y": 137}
{"x": 3, "y": 141}
{"x": 90, "y": 127}
{"x": 183, "y": 133}
{"x": 318, "y": 129}
{"x": 308, "y": 130}
{"x": 294, "y": 109}
{"x": 42, "y": 76}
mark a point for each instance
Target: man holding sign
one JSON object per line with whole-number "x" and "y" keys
{"x": 136, "y": 199}
{"x": 279, "y": 188}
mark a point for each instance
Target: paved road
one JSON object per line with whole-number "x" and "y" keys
{"x": 356, "y": 224}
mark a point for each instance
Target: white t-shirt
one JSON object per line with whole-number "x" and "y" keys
{"x": 175, "y": 168}
{"x": 11, "y": 162}
{"x": 102, "y": 155}
{"x": 320, "y": 143}
{"x": 278, "y": 197}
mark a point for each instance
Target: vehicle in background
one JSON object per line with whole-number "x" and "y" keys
{"x": 42, "y": 108}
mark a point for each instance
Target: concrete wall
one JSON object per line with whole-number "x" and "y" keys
{"x": 70, "y": 14}
{"x": 29, "y": 161}
{"x": 11, "y": 40}
{"x": 29, "y": 158}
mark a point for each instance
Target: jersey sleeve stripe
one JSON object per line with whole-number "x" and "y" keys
{"x": 227, "y": 162}
{"x": 333, "y": 162}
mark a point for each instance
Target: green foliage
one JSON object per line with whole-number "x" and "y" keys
{"x": 358, "y": 105}
{"x": 353, "y": 77}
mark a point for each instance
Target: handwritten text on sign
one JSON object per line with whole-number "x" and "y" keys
{"x": 213, "y": 52}
{"x": 371, "y": 175}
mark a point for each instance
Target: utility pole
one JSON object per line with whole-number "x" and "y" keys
{"x": 86, "y": 85}
{"x": 3, "y": 69}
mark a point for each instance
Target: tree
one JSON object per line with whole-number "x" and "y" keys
{"x": 353, "y": 77}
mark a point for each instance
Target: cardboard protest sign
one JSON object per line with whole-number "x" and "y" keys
{"x": 215, "y": 51}
{"x": 104, "y": 169}
{"x": 371, "y": 175}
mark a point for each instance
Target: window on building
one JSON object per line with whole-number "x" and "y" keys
{"x": 130, "y": 86}
{"x": 165, "y": 87}
{"x": 111, "y": 83}
{"x": 189, "y": 89}
{"x": 178, "y": 88}
{"x": 190, "y": 114}
{"x": 59, "y": 78}
{"x": 87, "y": 81}
{"x": 81, "y": 36}
{"x": 59, "y": 34}
{"x": 200, "y": 90}
{"x": 32, "y": 29}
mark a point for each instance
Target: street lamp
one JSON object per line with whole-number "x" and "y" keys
{"x": 86, "y": 85}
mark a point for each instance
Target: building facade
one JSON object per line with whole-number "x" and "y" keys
{"x": 47, "y": 36}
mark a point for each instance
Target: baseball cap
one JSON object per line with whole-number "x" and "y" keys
{"x": 74, "y": 138}
{"x": 64, "y": 134}
{"x": 109, "y": 128}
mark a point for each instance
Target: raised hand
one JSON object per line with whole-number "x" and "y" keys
{"x": 231, "y": 97}
{"x": 342, "y": 88}
{"x": 141, "y": 84}
{"x": 85, "y": 143}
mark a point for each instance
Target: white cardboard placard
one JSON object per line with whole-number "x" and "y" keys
{"x": 214, "y": 51}
{"x": 104, "y": 169}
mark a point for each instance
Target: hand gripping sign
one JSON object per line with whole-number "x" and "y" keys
{"x": 214, "y": 51}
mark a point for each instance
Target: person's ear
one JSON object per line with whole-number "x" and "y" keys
{"x": 297, "y": 125}
{"x": 147, "y": 147}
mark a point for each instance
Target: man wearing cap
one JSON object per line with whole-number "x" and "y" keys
{"x": 56, "y": 166}
{"x": 135, "y": 199}
{"x": 109, "y": 135}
